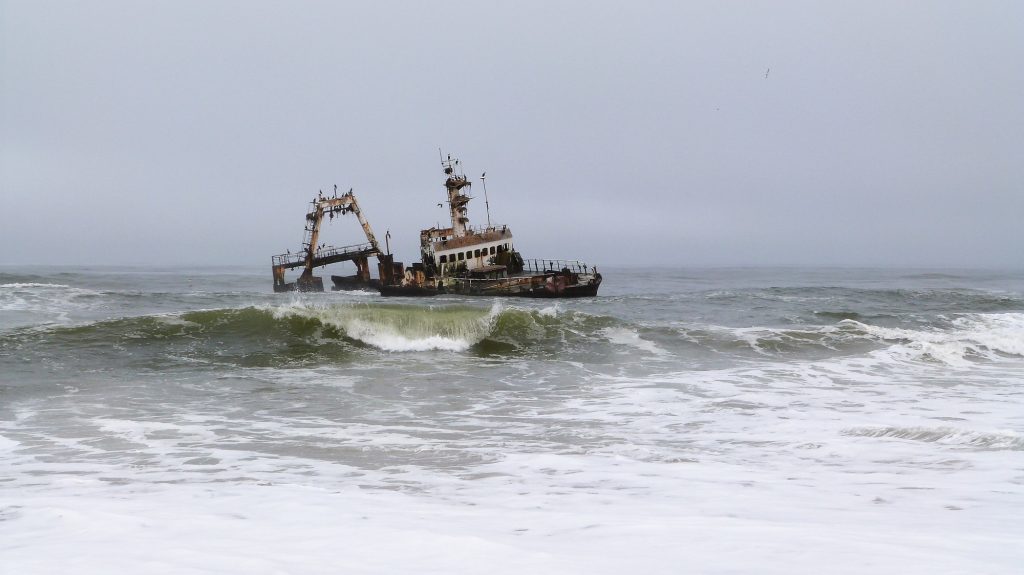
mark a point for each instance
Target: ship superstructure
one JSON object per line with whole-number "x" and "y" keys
{"x": 481, "y": 260}
{"x": 462, "y": 248}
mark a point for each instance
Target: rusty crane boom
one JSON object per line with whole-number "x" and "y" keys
{"x": 314, "y": 254}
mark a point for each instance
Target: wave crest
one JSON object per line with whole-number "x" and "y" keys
{"x": 402, "y": 328}
{"x": 298, "y": 329}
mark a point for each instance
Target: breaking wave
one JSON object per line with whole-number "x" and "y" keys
{"x": 401, "y": 328}
{"x": 955, "y": 342}
{"x": 257, "y": 335}
{"x": 968, "y": 337}
{"x": 309, "y": 331}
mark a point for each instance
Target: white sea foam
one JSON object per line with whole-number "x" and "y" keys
{"x": 389, "y": 338}
{"x": 989, "y": 336}
{"x": 37, "y": 303}
{"x": 549, "y": 311}
{"x": 598, "y": 515}
{"x": 8, "y": 444}
{"x": 970, "y": 337}
{"x": 144, "y": 431}
{"x": 24, "y": 285}
{"x": 631, "y": 338}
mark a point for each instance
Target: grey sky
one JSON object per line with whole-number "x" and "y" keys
{"x": 179, "y": 132}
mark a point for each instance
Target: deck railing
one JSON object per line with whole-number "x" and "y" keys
{"x": 299, "y": 257}
{"x": 328, "y": 251}
{"x": 540, "y": 266}
{"x": 482, "y": 229}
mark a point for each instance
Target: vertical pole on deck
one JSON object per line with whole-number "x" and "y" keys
{"x": 487, "y": 202}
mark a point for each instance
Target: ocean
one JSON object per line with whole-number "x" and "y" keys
{"x": 762, "y": 420}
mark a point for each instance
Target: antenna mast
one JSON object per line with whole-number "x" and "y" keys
{"x": 457, "y": 201}
{"x": 487, "y": 202}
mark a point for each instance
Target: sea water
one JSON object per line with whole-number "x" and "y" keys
{"x": 683, "y": 421}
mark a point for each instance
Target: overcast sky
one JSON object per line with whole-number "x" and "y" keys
{"x": 690, "y": 133}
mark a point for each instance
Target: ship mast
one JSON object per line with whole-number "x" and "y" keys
{"x": 457, "y": 201}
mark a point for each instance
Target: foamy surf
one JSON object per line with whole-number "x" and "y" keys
{"x": 26, "y": 303}
{"x": 970, "y": 337}
{"x": 671, "y": 429}
{"x": 630, "y": 338}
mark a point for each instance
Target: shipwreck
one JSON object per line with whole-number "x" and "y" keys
{"x": 461, "y": 259}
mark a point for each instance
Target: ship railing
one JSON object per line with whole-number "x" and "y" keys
{"x": 540, "y": 266}
{"x": 482, "y": 229}
{"x": 327, "y": 251}
{"x": 482, "y": 283}
{"x": 288, "y": 258}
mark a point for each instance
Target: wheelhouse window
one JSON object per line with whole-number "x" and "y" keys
{"x": 460, "y": 256}
{"x": 492, "y": 250}
{"x": 444, "y": 259}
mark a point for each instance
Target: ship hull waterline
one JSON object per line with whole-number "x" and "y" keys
{"x": 548, "y": 290}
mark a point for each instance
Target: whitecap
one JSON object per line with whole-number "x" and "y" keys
{"x": 631, "y": 338}
{"x": 973, "y": 336}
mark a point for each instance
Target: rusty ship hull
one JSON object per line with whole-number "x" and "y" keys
{"x": 502, "y": 289}
{"x": 567, "y": 282}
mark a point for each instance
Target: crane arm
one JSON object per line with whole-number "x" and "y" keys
{"x": 340, "y": 205}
